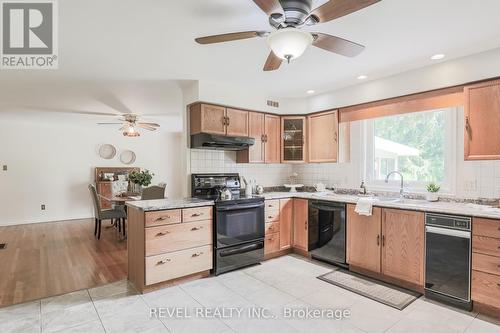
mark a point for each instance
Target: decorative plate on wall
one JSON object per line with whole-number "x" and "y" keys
{"x": 127, "y": 157}
{"x": 107, "y": 151}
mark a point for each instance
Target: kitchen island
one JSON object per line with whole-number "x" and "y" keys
{"x": 169, "y": 241}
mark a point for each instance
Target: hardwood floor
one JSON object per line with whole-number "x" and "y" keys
{"x": 47, "y": 259}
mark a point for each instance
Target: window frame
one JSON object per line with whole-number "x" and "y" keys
{"x": 448, "y": 186}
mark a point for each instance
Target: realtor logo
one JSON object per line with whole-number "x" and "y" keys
{"x": 29, "y": 34}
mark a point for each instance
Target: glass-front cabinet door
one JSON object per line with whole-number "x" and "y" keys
{"x": 293, "y": 139}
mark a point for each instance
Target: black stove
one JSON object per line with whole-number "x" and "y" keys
{"x": 238, "y": 223}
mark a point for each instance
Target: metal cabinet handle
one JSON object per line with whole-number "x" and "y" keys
{"x": 196, "y": 228}
{"x": 467, "y": 126}
{"x": 162, "y": 234}
{"x": 378, "y": 240}
{"x": 196, "y": 214}
{"x": 335, "y": 137}
{"x": 223, "y": 121}
{"x": 163, "y": 218}
{"x": 162, "y": 262}
{"x": 196, "y": 254}
{"x": 305, "y": 225}
{"x": 227, "y": 121}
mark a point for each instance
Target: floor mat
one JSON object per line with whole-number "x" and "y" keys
{"x": 384, "y": 293}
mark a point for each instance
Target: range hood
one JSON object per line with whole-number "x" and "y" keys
{"x": 220, "y": 142}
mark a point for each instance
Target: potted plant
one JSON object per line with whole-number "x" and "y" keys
{"x": 139, "y": 180}
{"x": 432, "y": 190}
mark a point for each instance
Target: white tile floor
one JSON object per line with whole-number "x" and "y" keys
{"x": 286, "y": 282}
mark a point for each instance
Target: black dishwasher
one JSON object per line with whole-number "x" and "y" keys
{"x": 327, "y": 231}
{"x": 448, "y": 259}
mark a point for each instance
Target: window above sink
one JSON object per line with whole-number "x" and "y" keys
{"x": 421, "y": 145}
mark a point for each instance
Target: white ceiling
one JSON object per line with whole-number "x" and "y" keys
{"x": 130, "y": 40}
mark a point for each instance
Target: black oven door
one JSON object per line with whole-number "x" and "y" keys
{"x": 231, "y": 258}
{"x": 239, "y": 223}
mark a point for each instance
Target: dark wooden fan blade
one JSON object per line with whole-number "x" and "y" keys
{"x": 229, "y": 37}
{"x": 272, "y": 62}
{"x": 334, "y": 9}
{"x": 150, "y": 124}
{"x": 269, "y": 6}
{"x": 337, "y": 45}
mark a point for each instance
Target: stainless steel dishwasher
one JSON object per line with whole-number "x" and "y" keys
{"x": 448, "y": 259}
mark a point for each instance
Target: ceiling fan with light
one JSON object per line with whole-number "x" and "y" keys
{"x": 288, "y": 41}
{"x": 130, "y": 123}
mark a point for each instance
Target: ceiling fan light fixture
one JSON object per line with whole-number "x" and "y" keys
{"x": 131, "y": 132}
{"x": 289, "y": 43}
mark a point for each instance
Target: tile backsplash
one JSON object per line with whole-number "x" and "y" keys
{"x": 474, "y": 179}
{"x": 214, "y": 161}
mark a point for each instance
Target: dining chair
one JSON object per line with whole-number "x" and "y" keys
{"x": 153, "y": 192}
{"x": 100, "y": 214}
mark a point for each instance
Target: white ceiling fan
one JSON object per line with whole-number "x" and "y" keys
{"x": 130, "y": 124}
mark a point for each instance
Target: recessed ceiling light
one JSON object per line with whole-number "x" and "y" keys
{"x": 362, "y": 77}
{"x": 310, "y": 92}
{"x": 438, "y": 56}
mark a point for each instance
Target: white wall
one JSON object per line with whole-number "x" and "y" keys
{"x": 443, "y": 74}
{"x": 51, "y": 155}
{"x": 248, "y": 97}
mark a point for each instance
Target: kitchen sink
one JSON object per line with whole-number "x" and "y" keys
{"x": 389, "y": 199}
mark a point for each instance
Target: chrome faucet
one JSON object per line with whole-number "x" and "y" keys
{"x": 401, "y": 190}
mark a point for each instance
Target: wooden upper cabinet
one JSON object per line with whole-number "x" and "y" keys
{"x": 236, "y": 122}
{"x": 482, "y": 121}
{"x": 256, "y": 131}
{"x": 364, "y": 239}
{"x": 205, "y": 118}
{"x": 300, "y": 224}
{"x": 293, "y": 139}
{"x": 323, "y": 137}
{"x": 286, "y": 222}
{"x": 272, "y": 138}
{"x": 403, "y": 237}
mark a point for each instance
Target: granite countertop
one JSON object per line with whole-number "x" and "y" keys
{"x": 442, "y": 207}
{"x": 162, "y": 204}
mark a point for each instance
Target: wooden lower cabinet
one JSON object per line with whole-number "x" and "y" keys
{"x": 300, "y": 224}
{"x": 286, "y": 222}
{"x": 272, "y": 243}
{"x": 168, "y": 245}
{"x": 485, "y": 290}
{"x": 364, "y": 239}
{"x": 390, "y": 243}
{"x": 278, "y": 215}
{"x": 403, "y": 242}
{"x": 172, "y": 265}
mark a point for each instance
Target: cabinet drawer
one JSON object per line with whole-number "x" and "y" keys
{"x": 486, "y": 288}
{"x": 272, "y": 228}
{"x": 272, "y": 216}
{"x": 177, "y": 237}
{"x": 272, "y": 205}
{"x": 486, "y": 245}
{"x": 485, "y": 263}
{"x": 197, "y": 214}
{"x": 272, "y": 243}
{"x": 162, "y": 217}
{"x": 486, "y": 227}
{"x": 173, "y": 265}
